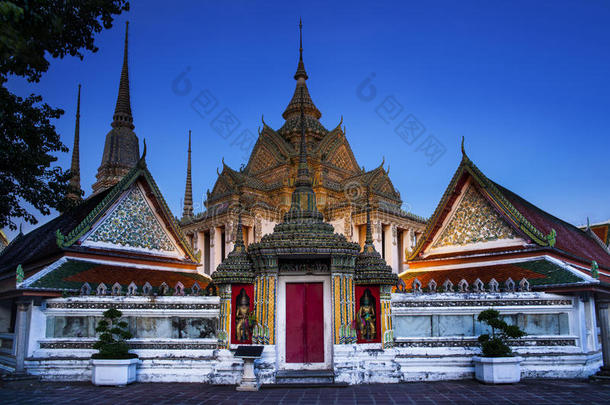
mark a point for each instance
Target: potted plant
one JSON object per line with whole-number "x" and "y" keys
{"x": 113, "y": 365}
{"x": 498, "y": 364}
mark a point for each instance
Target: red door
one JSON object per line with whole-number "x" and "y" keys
{"x": 304, "y": 323}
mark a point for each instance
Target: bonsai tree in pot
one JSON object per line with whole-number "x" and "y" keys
{"x": 113, "y": 365}
{"x": 498, "y": 364}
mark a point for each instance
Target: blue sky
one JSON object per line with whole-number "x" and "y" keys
{"x": 525, "y": 82}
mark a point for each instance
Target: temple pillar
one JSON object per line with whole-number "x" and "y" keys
{"x": 215, "y": 248}
{"x": 591, "y": 324}
{"x": 604, "y": 325}
{"x": 224, "y": 327}
{"x": 199, "y": 244}
{"x": 391, "y": 241}
{"x": 342, "y": 291}
{"x": 405, "y": 249}
{"x": 229, "y": 238}
{"x": 377, "y": 229}
{"x": 21, "y": 338}
{"x": 37, "y": 327}
{"x": 265, "y": 287}
{"x": 387, "y": 329}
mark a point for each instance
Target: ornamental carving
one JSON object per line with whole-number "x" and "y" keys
{"x": 347, "y": 226}
{"x": 342, "y": 159}
{"x": 132, "y": 345}
{"x": 475, "y": 343}
{"x": 130, "y": 306}
{"x": 474, "y": 221}
{"x": 304, "y": 266}
{"x": 477, "y": 303}
{"x": 258, "y": 229}
{"x": 133, "y": 223}
{"x": 262, "y": 160}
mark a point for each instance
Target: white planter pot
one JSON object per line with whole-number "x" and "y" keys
{"x": 113, "y": 372}
{"x": 497, "y": 370}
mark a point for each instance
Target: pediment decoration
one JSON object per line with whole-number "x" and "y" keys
{"x": 261, "y": 160}
{"x": 341, "y": 158}
{"x": 474, "y": 221}
{"x": 221, "y": 187}
{"x": 384, "y": 185}
{"x": 132, "y": 223}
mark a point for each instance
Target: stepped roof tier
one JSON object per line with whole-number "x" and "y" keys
{"x": 302, "y": 234}
{"x": 264, "y": 186}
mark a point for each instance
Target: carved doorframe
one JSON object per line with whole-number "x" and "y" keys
{"x": 281, "y": 322}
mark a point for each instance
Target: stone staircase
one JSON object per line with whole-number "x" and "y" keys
{"x": 305, "y": 378}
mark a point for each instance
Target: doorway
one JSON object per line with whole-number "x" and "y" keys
{"x": 304, "y": 323}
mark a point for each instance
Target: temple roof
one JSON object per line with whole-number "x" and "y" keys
{"x": 63, "y": 233}
{"x": 538, "y": 272}
{"x": 600, "y": 230}
{"x": 41, "y": 242}
{"x": 237, "y": 267}
{"x": 370, "y": 267}
{"x": 303, "y": 230}
{"x": 70, "y": 275}
{"x": 293, "y": 108}
{"x": 541, "y": 229}
{"x": 301, "y": 108}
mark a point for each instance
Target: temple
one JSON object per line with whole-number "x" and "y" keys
{"x": 305, "y": 257}
{"x": 264, "y": 186}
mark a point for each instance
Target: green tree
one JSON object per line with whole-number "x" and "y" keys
{"x": 30, "y": 33}
{"x": 496, "y": 345}
{"x": 113, "y": 335}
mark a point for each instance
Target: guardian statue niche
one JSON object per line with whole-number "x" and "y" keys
{"x": 366, "y": 316}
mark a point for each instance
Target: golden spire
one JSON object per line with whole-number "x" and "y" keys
{"x": 121, "y": 149}
{"x": 75, "y": 166}
{"x": 122, "y": 112}
{"x": 301, "y": 66}
{"x": 301, "y": 93}
{"x": 188, "y": 190}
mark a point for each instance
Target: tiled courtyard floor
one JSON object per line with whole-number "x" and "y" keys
{"x": 531, "y": 392}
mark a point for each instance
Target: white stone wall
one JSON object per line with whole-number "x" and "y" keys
{"x": 563, "y": 353}
{"x": 570, "y": 351}
{"x": 161, "y": 359}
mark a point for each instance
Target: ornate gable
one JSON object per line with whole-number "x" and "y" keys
{"x": 383, "y": 185}
{"x": 341, "y": 158}
{"x": 335, "y": 149}
{"x": 473, "y": 221}
{"x": 223, "y": 185}
{"x": 261, "y": 160}
{"x": 131, "y": 223}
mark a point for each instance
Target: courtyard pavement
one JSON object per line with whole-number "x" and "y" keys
{"x": 531, "y": 392}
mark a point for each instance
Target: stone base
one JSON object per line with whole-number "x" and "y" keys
{"x": 248, "y": 381}
{"x": 603, "y": 375}
{"x": 113, "y": 372}
{"x": 19, "y": 377}
{"x": 497, "y": 370}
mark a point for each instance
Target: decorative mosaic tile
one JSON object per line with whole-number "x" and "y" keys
{"x": 475, "y": 220}
{"x": 133, "y": 224}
